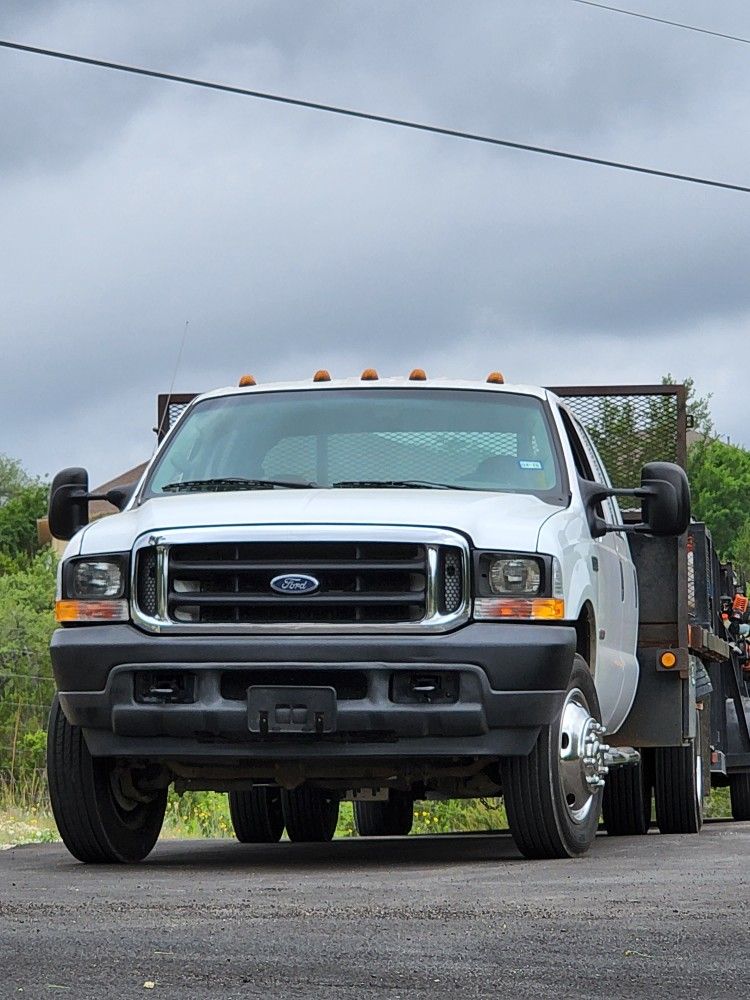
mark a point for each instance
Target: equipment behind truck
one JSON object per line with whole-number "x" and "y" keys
{"x": 391, "y": 590}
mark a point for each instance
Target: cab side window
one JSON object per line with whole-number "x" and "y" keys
{"x": 600, "y": 473}
{"x": 582, "y": 463}
{"x": 588, "y": 464}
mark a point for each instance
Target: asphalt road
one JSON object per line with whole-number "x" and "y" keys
{"x": 432, "y": 917}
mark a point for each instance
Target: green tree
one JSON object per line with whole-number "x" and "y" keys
{"x": 699, "y": 407}
{"x": 18, "y": 532}
{"x": 26, "y": 625}
{"x": 720, "y": 484}
{"x": 13, "y": 478}
{"x": 741, "y": 548}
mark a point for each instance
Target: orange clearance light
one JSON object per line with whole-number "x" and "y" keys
{"x": 247, "y": 380}
{"x": 369, "y": 375}
{"x": 418, "y": 375}
{"x": 739, "y": 604}
{"x": 91, "y": 611}
{"x": 528, "y": 608}
{"x": 321, "y": 375}
{"x": 496, "y": 378}
{"x": 668, "y": 659}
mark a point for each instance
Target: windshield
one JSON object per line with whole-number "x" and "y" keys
{"x": 350, "y": 438}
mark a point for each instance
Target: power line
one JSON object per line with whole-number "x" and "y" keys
{"x": 368, "y": 116}
{"x": 662, "y": 20}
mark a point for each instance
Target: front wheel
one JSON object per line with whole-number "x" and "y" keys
{"x": 100, "y": 813}
{"x": 553, "y": 796}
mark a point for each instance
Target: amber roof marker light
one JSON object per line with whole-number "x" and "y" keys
{"x": 321, "y": 375}
{"x": 496, "y": 378}
{"x": 668, "y": 659}
{"x": 369, "y": 375}
{"x": 417, "y": 375}
{"x": 246, "y": 380}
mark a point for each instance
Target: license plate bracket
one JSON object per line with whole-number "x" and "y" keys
{"x": 289, "y": 710}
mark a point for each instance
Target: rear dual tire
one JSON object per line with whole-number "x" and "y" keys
{"x": 392, "y": 818}
{"x": 739, "y": 794}
{"x": 626, "y": 806}
{"x": 678, "y": 786}
{"x": 257, "y": 815}
{"x": 310, "y": 814}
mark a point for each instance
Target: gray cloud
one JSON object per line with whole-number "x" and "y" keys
{"x": 290, "y": 239}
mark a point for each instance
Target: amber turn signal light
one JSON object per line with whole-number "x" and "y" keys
{"x": 91, "y": 611}
{"x": 525, "y": 608}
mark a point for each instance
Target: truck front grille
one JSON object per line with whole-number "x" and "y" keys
{"x": 231, "y": 584}
{"x": 279, "y": 585}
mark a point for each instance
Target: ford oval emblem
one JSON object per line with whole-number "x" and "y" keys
{"x": 295, "y": 583}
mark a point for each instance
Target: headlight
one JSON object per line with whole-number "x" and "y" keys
{"x": 515, "y": 576}
{"x": 94, "y": 590}
{"x": 96, "y": 579}
{"x": 516, "y": 586}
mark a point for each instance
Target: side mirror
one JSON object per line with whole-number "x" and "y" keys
{"x": 665, "y": 501}
{"x": 68, "y": 503}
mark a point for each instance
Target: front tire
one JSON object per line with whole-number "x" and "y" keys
{"x": 553, "y": 797}
{"x": 310, "y": 814}
{"x": 101, "y": 817}
{"x": 256, "y": 815}
{"x": 393, "y": 818}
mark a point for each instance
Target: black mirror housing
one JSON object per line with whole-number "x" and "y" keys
{"x": 665, "y": 501}
{"x": 68, "y": 503}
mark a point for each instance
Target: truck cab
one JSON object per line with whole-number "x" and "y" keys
{"x": 372, "y": 589}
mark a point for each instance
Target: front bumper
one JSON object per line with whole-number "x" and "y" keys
{"x": 511, "y": 681}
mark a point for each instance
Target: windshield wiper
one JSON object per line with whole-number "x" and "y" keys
{"x": 395, "y": 484}
{"x": 229, "y": 483}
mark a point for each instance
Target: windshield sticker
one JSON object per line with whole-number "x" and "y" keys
{"x": 529, "y": 465}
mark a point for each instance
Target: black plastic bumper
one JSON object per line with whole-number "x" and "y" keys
{"x": 510, "y": 680}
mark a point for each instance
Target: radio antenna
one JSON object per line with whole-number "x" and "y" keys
{"x": 165, "y": 412}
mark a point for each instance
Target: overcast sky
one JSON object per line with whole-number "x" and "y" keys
{"x": 291, "y": 240}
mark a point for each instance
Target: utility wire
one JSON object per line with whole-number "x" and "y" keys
{"x": 367, "y": 116}
{"x": 662, "y": 20}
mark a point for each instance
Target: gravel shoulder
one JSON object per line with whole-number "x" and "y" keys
{"x": 446, "y": 916}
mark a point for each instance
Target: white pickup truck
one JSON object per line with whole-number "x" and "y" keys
{"x": 380, "y": 590}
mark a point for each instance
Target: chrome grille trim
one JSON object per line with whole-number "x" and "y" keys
{"x": 433, "y": 539}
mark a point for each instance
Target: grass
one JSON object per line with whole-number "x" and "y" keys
{"x": 206, "y": 814}
{"x": 19, "y": 826}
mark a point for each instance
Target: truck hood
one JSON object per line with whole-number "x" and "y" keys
{"x": 491, "y": 520}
